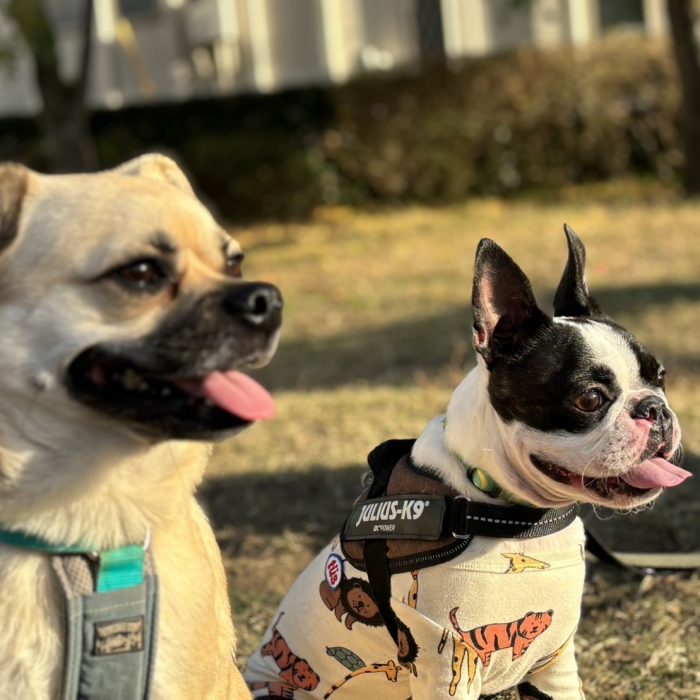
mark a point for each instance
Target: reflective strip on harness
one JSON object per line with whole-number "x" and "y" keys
{"x": 110, "y": 634}
{"x": 429, "y": 517}
{"x": 397, "y": 517}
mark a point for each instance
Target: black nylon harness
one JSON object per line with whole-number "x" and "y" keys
{"x": 456, "y": 517}
{"x": 379, "y": 518}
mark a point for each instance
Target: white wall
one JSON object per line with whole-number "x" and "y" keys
{"x": 226, "y": 46}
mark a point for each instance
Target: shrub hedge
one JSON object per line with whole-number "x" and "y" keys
{"x": 506, "y": 123}
{"x": 496, "y": 125}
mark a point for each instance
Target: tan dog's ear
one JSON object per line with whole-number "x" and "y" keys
{"x": 157, "y": 167}
{"x": 14, "y": 181}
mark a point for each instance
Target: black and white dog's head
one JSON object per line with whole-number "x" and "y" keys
{"x": 562, "y": 409}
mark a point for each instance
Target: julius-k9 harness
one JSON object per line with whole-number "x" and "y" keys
{"x": 111, "y": 613}
{"x": 408, "y": 520}
{"x": 475, "y": 598}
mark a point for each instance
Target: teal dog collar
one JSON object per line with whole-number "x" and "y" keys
{"x": 118, "y": 568}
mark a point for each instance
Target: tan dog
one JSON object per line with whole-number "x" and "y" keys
{"x": 122, "y": 320}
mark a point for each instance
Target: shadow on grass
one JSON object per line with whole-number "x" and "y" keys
{"x": 394, "y": 353}
{"x": 673, "y": 524}
{"x": 315, "y": 503}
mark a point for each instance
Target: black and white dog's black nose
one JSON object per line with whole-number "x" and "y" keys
{"x": 256, "y": 303}
{"x": 654, "y": 409}
{"x": 651, "y": 408}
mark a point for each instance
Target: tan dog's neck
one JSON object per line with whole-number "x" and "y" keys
{"x": 103, "y": 509}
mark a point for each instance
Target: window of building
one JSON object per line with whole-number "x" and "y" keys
{"x": 617, "y": 14}
{"x": 134, "y": 8}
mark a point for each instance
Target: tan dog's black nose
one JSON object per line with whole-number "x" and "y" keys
{"x": 256, "y": 303}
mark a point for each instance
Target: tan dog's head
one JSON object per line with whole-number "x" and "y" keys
{"x": 122, "y": 309}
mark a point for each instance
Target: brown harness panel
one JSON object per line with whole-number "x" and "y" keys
{"x": 403, "y": 554}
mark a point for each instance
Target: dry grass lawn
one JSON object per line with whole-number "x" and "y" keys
{"x": 376, "y": 336}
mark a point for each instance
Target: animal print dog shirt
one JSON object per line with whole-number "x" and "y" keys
{"x": 501, "y": 613}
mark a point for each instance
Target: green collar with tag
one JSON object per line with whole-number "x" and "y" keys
{"x": 111, "y": 608}
{"x": 483, "y": 481}
{"x": 118, "y": 568}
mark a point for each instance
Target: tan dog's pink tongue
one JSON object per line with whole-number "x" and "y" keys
{"x": 239, "y": 394}
{"x": 656, "y": 473}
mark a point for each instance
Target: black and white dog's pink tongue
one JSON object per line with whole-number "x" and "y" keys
{"x": 239, "y": 394}
{"x": 656, "y": 473}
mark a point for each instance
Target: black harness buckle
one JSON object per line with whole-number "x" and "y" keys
{"x": 460, "y": 504}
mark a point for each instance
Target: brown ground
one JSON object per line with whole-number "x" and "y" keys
{"x": 376, "y": 336}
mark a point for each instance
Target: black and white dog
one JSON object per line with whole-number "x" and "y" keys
{"x": 570, "y": 408}
{"x": 559, "y": 410}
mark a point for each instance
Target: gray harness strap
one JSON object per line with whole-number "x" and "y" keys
{"x": 110, "y": 636}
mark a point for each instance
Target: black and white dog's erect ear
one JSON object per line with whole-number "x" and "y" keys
{"x": 505, "y": 310}
{"x": 14, "y": 180}
{"x": 572, "y": 297}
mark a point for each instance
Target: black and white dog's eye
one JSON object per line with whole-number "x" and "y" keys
{"x": 590, "y": 400}
{"x": 234, "y": 265}
{"x": 662, "y": 377}
{"x": 146, "y": 275}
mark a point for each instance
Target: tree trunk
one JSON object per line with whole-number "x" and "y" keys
{"x": 685, "y": 49}
{"x": 64, "y": 119}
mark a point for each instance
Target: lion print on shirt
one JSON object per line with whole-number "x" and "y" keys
{"x": 352, "y": 598}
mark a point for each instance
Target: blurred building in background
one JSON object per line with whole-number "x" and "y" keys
{"x": 164, "y": 50}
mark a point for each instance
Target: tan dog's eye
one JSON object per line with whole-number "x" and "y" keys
{"x": 146, "y": 275}
{"x": 234, "y": 265}
{"x": 590, "y": 400}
